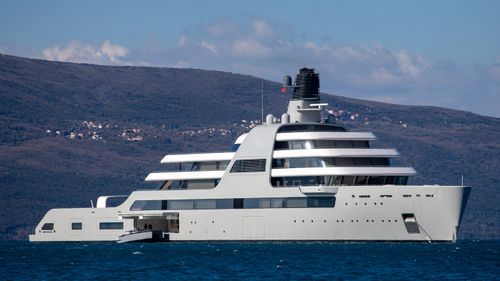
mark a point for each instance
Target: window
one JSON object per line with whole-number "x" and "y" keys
{"x": 305, "y": 162}
{"x": 310, "y": 128}
{"x": 375, "y": 180}
{"x": 235, "y": 147}
{"x": 401, "y": 180}
{"x": 361, "y": 180}
{"x": 237, "y": 203}
{"x": 390, "y": 180}
{"x": 191, "y": 184}
{"x": 48, "y": 226}
{"x": 249, "y": 166}
{"x": 348, "y": 180}
{"x": 320, "y": 202}
{"x": 110, "y": 225}
{"x": 205, "y": 204}
{"x": 76, "y": 226}
{"x": 180, "y": 204}
{"x": 316, "y": 144}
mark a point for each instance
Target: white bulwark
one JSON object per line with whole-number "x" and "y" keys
{"x": 300, "y": 178}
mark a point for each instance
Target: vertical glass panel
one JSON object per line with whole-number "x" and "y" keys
{"x": 180, "y": 204}
{"x": 337, "y": 180}
{"x": 224, "y": 203}
{"x": 238, "y": 203}
{"x": 401, "y": 180}
{"x": 251, "y": 203}
{"x": 375, "y": 180}
{"x": 361, "y": 180}
{"x": 296, "y": 203}
{"x": 205, "y": 204}
{"x": 348, "y": 180}
{"x": 320, "y": 202}
{"x": 390, "y": 180}
{"x": 277, "y": 203}
{"x": 265, "y": 203}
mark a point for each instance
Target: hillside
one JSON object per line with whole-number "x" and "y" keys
{"x": 71, "y": 132}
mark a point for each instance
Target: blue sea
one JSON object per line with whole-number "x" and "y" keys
{"x": 476, "y": 260}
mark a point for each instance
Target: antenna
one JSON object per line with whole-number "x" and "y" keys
{"x": 262, "y": 101}
{"x": 462, "y": 180}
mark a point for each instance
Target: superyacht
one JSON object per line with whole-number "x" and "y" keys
{"x": 299, "y": 177}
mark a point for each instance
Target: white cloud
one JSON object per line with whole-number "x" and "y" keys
{"x": 251, "y": 47}
{"x": 113, "y": 51}
{"x": 76, "y": 51}
{"x": 208, "y": 46}
{"x": 183, "y": 40}
{"x": 406, "y": 64}
{"x": 261, "y": 28}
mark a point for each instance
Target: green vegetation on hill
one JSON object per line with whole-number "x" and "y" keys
{"x": 71, "y": 132}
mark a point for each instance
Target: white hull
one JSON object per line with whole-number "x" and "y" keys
{"x": 362, "y": 219}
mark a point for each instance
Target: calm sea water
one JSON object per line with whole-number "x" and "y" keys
{"x": 250, "y": 261}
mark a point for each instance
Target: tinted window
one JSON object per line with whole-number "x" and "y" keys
{"x": 239, "y": 203}
{"x": 310, "y": 128}
{"x": 110, "y": 225}
{"x": 249, "y": 166}
{"x": 76, "y": 226}
{"x": 48, "y": 226}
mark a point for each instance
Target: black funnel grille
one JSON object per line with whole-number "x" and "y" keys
{"x": 306, "y": 85}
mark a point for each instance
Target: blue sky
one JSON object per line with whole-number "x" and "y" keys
{"x": 444, "y": 53}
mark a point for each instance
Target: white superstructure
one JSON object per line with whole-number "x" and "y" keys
{"x": 291, "y": 179}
